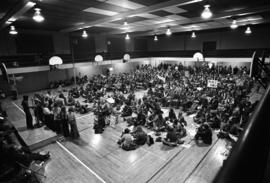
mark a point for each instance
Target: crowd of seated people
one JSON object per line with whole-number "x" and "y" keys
{"x": 67, "y": 82}
{"x": 225, "y": 107}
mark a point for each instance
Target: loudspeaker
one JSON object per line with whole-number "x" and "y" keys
{"x": 4, "y": 72}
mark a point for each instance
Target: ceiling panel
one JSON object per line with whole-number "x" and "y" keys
{"x": 6, "y": 5}
{"x": 149, "y": 2}
{"x": 161, "y": 13}
{"x": 130, "y": 20}
{"x": 141, "y": 15}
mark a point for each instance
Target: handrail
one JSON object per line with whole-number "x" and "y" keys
{"x": 248, "y": 159}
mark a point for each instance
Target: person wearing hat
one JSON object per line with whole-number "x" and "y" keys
{"x": 28, "y": 115}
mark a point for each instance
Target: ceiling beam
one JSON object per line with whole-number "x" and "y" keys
{"x": 16, "y": 12}
{"x": 158, "y": 27}
{"x": 147, "y": 9}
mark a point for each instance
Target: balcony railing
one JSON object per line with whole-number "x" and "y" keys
{"x": 248, "y": 159}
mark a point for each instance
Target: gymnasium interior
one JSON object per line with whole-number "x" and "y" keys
{"x": 134, "y": 91}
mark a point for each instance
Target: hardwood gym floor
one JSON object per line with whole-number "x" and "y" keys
{"x": 97, "y": 157}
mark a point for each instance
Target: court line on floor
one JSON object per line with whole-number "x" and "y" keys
{"x": 153, "y": 154}
{"x": 162, "y": 167}
{"x": 77, "y": 159}
{"x": 84, "y": 115}
{"x": 18, "y": 107}
{"x": 201, "y": 161}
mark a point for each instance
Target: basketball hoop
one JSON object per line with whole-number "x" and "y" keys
{"x": 198, "y": 56}
{"x": 54, "y": 62}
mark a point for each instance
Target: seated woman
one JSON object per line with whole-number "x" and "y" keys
{"x": 204, "y": 133}
{"x": 180, "y": 129}
{"x": 14, "y": 154}
{"x": 70, "y": 101}
{"x": 139, "y": 135}
{"x": 181, "y": 119}
{"x": 127, "y": 111}
{"x": 172, "y": 115}
{"x": 84, "y": 109}
{"x": 159, "y": 122}
{"x": 171, "y": 137}
{"x": 126, "y": 141}
{"x": 77, "y": 106}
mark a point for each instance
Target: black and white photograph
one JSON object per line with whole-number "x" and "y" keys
{"x": 134, "y": 91}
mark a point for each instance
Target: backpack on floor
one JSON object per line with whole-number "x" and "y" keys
{"x": 149, "y": 140}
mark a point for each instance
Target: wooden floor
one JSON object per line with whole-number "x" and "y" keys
{"x": 97, "y": 157}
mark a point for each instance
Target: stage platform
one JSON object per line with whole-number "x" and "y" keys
{"x": 98, "y": 158}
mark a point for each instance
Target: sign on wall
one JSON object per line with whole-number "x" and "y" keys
{"x": 212, "y": 83}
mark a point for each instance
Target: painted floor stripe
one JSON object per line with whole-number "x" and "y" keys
{"x": 70, "y": 153}
{"x": 85, "y": 115}
{"x": 18, "y": 107}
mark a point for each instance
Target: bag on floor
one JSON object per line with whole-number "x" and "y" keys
{"x": 149, "y": 140}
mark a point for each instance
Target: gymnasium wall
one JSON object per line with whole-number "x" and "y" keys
{"x": 54, "y": 42}
{"x": 38, "y": 78}
{"x": 224, "y": 38}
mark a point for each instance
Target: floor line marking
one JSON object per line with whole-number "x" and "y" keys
{"x": 70, "y": 153}
{"x": 84, "y": 115}
{"x": 18, "y": 107}
{"x": 153, "y": 154}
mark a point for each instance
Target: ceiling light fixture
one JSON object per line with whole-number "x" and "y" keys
{"x": 248, "y": 30}
{"x": 84, "y": 34}
{"x": 193, "y": 35}
{"x": 234, "y": 24}
{"x": 38, "y": 16}
{"x": 13, "y": 30}
{"x": 168, "y": 32}
{"x": 127, "y": 37}
{"x": 155, "y": 38}
{"x": 206, "y": 14}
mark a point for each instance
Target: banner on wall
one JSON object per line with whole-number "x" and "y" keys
{"x": 211, "y": 83}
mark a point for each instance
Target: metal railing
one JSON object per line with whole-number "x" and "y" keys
{"x": 248, "y": 160}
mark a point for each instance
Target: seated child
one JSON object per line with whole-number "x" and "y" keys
{"x": 126, "y": 141}
{"x": 204, "y": 133}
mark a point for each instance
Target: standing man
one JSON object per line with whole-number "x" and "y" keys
{"x": 28, "y": 115}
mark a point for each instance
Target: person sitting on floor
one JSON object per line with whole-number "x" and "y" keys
{"x": 171, "y": 137}
{"x": 204, "y": 133}
{"x": 70, "y": 101}
{"x": 14, "y": 154}
{"x": 139, "y": 135}
{"x": 172, "y": 115}
{"x": 181, "y": 119}
{"x": 127, "y": 110}
{"x": 126, "y": 141}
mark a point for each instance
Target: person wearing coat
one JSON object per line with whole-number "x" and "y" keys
{"x": 28, "y": 115}
{"x": 74, "y": 133}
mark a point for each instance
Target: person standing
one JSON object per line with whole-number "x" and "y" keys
{"x": 64, "y": 119}
{"x": 28, "y": 115}
{"x": 74, "y": 133}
